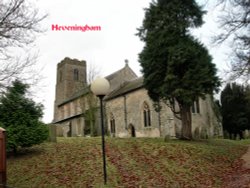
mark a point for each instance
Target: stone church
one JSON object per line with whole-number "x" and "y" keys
{"x": 129, "y": 112}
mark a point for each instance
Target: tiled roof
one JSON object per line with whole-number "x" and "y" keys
{"x": 68, "y": 118}
{"x": 78, "y": 94}
{"x": 126, "y": 87}
{"x": 114, "y": 74}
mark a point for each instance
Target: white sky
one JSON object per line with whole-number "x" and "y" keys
{"x": 108, "y": 48}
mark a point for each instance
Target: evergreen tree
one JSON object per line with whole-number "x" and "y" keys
{"x": 234, "y": 109}
{"x": 176, "y": 67}
{"x": 247, "y": 94}
{"x": 20, "y": 116}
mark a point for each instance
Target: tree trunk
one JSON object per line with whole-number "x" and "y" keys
{"x": 186, "y": 119}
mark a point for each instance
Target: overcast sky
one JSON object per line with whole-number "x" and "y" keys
{"x": 107, "y": 48}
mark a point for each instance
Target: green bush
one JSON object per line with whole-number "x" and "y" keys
{"x": 20, "y": 116}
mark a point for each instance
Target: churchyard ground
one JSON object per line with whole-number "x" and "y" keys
{"x": 134, "y": 162}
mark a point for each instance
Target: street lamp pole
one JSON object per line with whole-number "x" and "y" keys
{"x": 103, "y": 140}
{"x": 100, "y": 88}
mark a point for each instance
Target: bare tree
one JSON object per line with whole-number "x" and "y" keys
{"x": 93, "y": 73}
{"x": 19, "y": 26}
{"x": 235, "y": 24}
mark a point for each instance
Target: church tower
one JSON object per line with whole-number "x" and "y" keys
{"x": 71, "y": 77}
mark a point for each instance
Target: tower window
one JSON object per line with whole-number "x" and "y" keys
{"x": 76, "y": 74}
{"x": 146, "y": 115}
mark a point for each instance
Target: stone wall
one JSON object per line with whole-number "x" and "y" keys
{"x": 206, "y": 124}
{"x": 71, "y": 128}
{"x": 127, "y": 111}
{"x": 67, "y": 107}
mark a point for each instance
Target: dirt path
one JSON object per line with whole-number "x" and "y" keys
{"x": 240, "y": 178}
{"x": 246, "y": 158}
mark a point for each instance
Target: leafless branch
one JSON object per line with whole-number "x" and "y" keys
{"x": 19, "y": 26}
{"x": 92, "y": 73}
{"x": 19, "y": 23}
{"x": 235, "y": 24}
{"x": 24, "y": 69}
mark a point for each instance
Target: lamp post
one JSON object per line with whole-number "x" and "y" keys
{"x": 100, "y": 88}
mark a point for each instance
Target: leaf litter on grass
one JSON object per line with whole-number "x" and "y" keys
{"x": 77, "y": 162}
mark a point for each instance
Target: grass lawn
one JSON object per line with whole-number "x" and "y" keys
{"x": 138, "y": 162}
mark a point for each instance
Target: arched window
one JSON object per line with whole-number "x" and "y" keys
{"x": 76, "y": 74}
{"x": 196, "y": 107}
{"x": 146, "y": 115}
{"x": 112, "y": 124}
